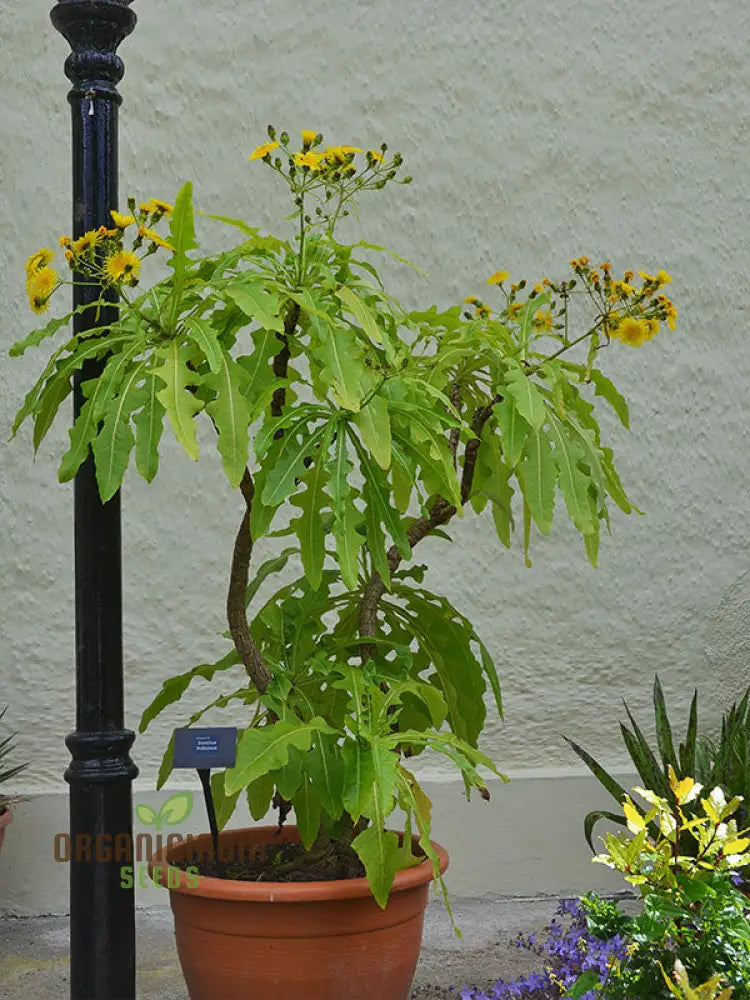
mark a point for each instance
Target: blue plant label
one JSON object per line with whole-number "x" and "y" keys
{"x": 205, "y": 748}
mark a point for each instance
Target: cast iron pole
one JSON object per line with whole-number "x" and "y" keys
{"x": 102, "y": 913}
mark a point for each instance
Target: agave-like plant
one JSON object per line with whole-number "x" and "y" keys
{"x": 6, "y": 748}
{"x": 723, "y": 761}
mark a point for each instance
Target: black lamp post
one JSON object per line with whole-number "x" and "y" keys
{"x": 102, "y": 913}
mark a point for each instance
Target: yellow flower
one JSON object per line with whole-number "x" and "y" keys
{"x": 308, "y": 136}
{"x": 39, "y": 260}
{"x": 631, "y": 331}
{"x": 514, "y": 309}
{"x": 340, "y": 153}
{"x": 628, "y": 275}
{"x": 648, "y": 278}
{"x": 39, "y": 287}
{"x": 162, "y": 206}
{"x": 122, "y": 221}
{"x": 543, "y": 320}
{"x": 153, "y": 236}
{"x": 663, "y": 278}
{"x": 471, "y": 300}
{"x": 375, "y": 155}
{"x": 122, "y": 264}
{"x": 670, "y": 311}
{"x": 538, "y": 288}
{"x": 64, "y": 241}
{"x": 483, "y": 310}
{"x": 261, "y": 152}
{"x": 311, "y": 160}
{"x": 498, "y": 278}
{"x": 86, "y": 242}
{"x": 622, "y": 289}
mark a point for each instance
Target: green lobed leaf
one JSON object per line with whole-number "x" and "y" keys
{"x": 605, "y": 388}
{"x": 149, "y": 422}
{"x": 258, "y": 302}
{"x": 537, "y": 474}
{"x": 181, "y": 406}
{"x": 259, "y": 795}
{"x": 311, "y": 501}
{"x": 306, "y": 803}
{"x": 290, "y": 465}
{"x": 260, "y": 382}
{"x": 527, "y": 397}
{"x": 374, "y": 425}
{"x": 376, "y": 493}
{"x": 115, "y": 440}
{"x": 203, "y": 334}
{"x": 82, "y": 433}
{"x": 182, "y": 239}
{"x": 381, "y": 854}
{"x": 174, "y": 687}
{"x": 262, "y": 750}
{"x": 231, "y": 414}
{"x": 341, "y": 359}
{"x": 266, "y": 569}
{"x": 574, "y": 483}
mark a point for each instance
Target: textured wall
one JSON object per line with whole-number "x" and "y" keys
{"x": 534, "y": 131}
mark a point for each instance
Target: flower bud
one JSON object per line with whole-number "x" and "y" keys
{"x": 284, "y": 138}
{"x": 271, "y": 133}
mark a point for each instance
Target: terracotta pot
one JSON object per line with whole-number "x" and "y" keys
{"x": 6, "y": 819}
{"x": 279, "y": 940}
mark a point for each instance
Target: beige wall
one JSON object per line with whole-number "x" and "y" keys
{"x": 534, "y": 132}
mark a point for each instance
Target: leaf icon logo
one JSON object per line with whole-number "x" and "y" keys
{"x": 176, "y": 809}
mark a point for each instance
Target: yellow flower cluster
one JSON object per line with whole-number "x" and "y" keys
{"x": 331, "y": 160}
{"x": 41, "y": 279}
{"x": 630, "y": 330}
{"x": 99, "y": 254}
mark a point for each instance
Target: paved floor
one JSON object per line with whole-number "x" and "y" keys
{"x": 34, "y": 951}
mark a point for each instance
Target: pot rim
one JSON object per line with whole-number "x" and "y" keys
{"x": 283, "y": 892}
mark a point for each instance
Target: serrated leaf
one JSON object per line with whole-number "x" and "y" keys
{"x": 231, "y": 414}
{"x": 182, "y": 239}
{"x": 573, "y": 482}
{"x": 346, "y": 515}
{"x": 267, "y": 749}
{"x": 203, "y": 334}
{"x": 361, "y": 312}
{"x": 380, "y": 853}
{"x": 181, "y": 405}
{"x": 513, "y": 428}
{"x": 174, "y": 687}
{"x": 605, "y": 388}
{"x": 309, "y": 526}
{"x": 527, "y": 397}
{"x": 260, "y": 382}
{"x": 81, "y": 434}
{"x": 290, "y": 465}
{"x": 176, "y": 809}
{"x": 115, "y": 440}
{"x": 537, "y": 474}
{"x": 342, "y": 362}
{"x": 149, "y": 422}
{"x": 261, "y": 242}
{"x": 47, "y": 406}
{"x": 374, "y": 425}
{"x": 377, "y": 497}
{"x": 256, "y": 301}
{"x": 369, "y": 779}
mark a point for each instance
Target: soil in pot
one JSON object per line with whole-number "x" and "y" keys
{"x": 284, "y": 862}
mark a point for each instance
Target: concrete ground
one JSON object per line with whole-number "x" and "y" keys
{"x": 34, "y": 951}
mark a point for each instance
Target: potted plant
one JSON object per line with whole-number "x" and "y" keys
{"x": 372, "y": 427}
{"x": 6, "y": 773}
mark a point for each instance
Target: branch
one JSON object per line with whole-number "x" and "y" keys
{"x": 439, "y": 514}
{"x": 239, "y": 627}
